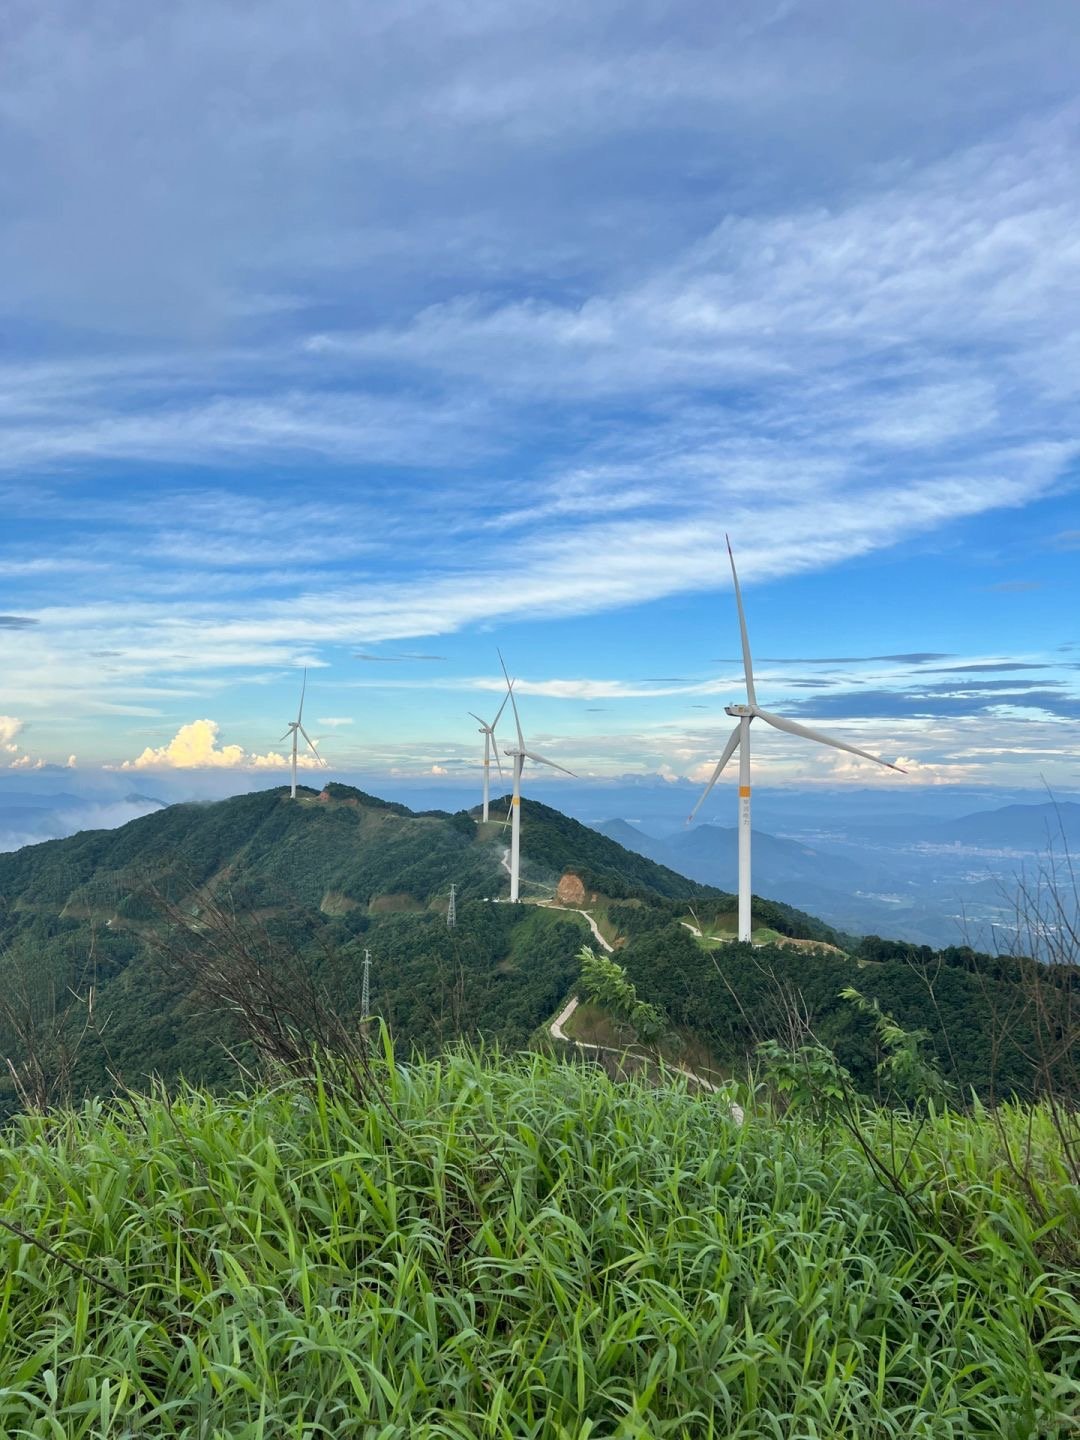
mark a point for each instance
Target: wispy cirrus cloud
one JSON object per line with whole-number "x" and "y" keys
{"x": 445, "y": 327}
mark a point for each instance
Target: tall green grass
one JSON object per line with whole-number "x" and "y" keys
{"x": 524, "y": 1249}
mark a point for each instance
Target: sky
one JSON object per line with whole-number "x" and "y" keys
{"x": 373, "y": 338}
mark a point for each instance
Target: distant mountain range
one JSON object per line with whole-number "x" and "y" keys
{"x": 1031, "y": 828}
{"x": 897, "y": 878}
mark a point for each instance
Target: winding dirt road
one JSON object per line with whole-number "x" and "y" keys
{"x": 556, "y": 1027}
{"x": 550, "y": 905}
{"x": 559, "y": 1033}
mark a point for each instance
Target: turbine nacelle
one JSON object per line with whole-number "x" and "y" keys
{"x": 739, "y": 710}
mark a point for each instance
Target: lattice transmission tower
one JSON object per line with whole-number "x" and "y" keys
{"x": 365, "y": 993}
{"x": 451, "y": 909}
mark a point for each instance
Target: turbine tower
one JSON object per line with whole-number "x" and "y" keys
{"x": 490, "y": 747}
{"x": 519, "y": 756}
{"x": 739, "y": 739}
{"x": 295, "y": 727}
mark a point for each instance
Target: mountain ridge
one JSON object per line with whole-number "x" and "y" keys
{"x": 307, "y": 886}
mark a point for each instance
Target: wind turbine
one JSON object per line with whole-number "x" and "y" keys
{"x": 295, "y": 727}
{"x": 739, "y": 739}
{"x": 488, "y": 732}
{"x": 519, "y": 756}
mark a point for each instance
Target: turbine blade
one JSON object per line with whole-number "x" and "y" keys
{"x": 542, "y": 760}
{"x": 483, "y": 723}
{"x": 513, "y": 702}
{"x": 780, "y": 722}
{"x": 303, "y": 691}
{"x": 729, "y": 750}
{"x": 751, "y": 698}
{"x": 502, "y": 707}
{"x": 498, "y": 762}
{"x": 288, "y": 732}
{"x": 311, "y": 742}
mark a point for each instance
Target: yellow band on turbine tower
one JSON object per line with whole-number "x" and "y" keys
{"x": 744, "y": 792}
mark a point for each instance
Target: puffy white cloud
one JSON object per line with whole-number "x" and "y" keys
{"x": 10, "y": 727}
{"x": 195, "y": 747}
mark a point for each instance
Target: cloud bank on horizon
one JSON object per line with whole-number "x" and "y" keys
{"x": 368, "y": 345}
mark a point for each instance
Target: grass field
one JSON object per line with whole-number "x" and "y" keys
{"x": 525, "y": 1249}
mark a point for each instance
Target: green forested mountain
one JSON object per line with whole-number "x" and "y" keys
{"x": 324, "y": 879}
{"x": 129, "y": 916}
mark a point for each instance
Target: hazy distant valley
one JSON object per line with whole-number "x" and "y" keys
{"x": 938, "y": 882}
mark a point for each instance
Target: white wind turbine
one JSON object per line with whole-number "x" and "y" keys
{"x": 490, "y": 747}
{"x": 519, "y": 756}
{"x": 740, "y": 740}
{"x": 296, "y": 727}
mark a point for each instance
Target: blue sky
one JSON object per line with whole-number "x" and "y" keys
{"x": 343, "y": 335}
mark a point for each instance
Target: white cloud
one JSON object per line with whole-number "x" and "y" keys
{"x": 965, "y": 253}
{"x": 10, "y": 727}
{"x": 332, "y": 722}
{"x": 575, "y": 335}
{"x": 195, "y": 747}
{"x": 585, "y": 689}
